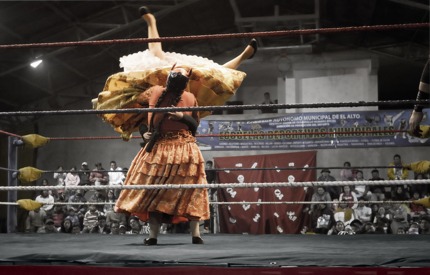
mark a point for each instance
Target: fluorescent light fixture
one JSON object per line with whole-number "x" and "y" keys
{"x": 36, "y": 63}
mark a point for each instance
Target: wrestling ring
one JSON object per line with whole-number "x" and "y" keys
{"x": 237, "y": 253}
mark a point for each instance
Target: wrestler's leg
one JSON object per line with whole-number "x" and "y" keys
{"x": 247, "y": 53}
{"x": 154, "y": 47}
{"x": 154, "y": 225}
{"x": 195, "y": 232}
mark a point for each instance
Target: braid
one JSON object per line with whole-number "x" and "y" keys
{"x": 160, "y": 99}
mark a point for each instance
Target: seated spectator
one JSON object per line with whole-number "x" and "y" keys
{"x": 399, "y": 213}
{"x": 97, "y": 196}
{"x": 99, "y": 176}
{"x": 102, "y": 227}
{"x": 363, "y": 213}
{"x": 349, "y": 197}
{"x": 338, "y": 227}
{"x": 382, "y": 220}
{"x": 422, "y": 189}
{"x": 122, "y": 229}
{"x": 362, "y": 191}
{"x": 397, "y": 171}
{"x": 35, "y": 220}
{"x": 322, "y": 219}
{"x": 78, "y": 197}
{"x": 332, "y": 190}
{"x": 319, "y": 195}
{"x": 72, "y": 179}
{"x": 114, "y": 228}
{"x": 414, "y": 229}
{"x": 47, "y": 201}
{"x": 344, "y": 213}
{"x": 425, "y": 225}
{"x": 136, "y": 227}
{"x": 369, "y": 228}
{"x": 66, "y": 226}
{"x": 48, "y": 227}
{"x": 116, "y": 217}
{"x": 378, "y": 191}
{"x": 400, "y": 194}
{"x": 74, "y": 218}
{"x": 347, "y": 174}
{"x": 91, "y": 220}
{"x": 417, "y": 210}
{"x": 58, "y": 216}
{"x": 110, "y": 202}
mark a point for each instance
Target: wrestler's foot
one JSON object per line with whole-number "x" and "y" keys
{"x": 197, "y": 240}
{"x": 144, "y": 10}
{"x": 146, "y": 15}
{"x": 254, "y": 47}
{"x": 150, "y": 241}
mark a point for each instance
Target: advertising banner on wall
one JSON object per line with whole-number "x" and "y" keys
{"x": 313, "y": 131}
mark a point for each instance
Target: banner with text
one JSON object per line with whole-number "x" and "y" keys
{"x": 311, "y": 131}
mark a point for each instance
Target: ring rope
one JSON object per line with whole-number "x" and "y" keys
{"x": 217, "y": 108}
{"x": 218, "y": 185}
{"x": 229, "y": 169}
{"x": 219, "y": 36}
{"x": 233, "y": 202}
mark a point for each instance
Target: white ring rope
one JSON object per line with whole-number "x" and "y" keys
{"x": 234, "y": 202}
{"x": 219, "y": 185}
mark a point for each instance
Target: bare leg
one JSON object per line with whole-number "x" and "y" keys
{"x": 247, "y": 53}
{"x": 154, "y": 226}
{"x": 155, "y": 47}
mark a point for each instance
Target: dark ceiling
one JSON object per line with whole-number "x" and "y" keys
{"x": 73, "y": 74}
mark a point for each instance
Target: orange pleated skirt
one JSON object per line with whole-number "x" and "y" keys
{"x": 175, "y": 159}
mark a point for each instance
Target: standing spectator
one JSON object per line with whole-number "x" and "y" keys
{"x": 382, "y": 220}
{"x": 47, "y": 200}
{"x": 91, "y": 220}
{"x": 399, "y": 213}
{"x": 333, "y": 190}
{"x": 116, "y": 176}
{"x": 99, "y": 176}
{"x": 72, "y": 179}
{"x": 73, "y": 218}
{"x": 35, "y": 220}
{"x": 84, "y": 174}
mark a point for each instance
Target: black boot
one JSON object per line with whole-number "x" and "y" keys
{"x": 197, "y": 240}
{"x": 150, "y": 241}
{"x": 254, "y": 45}
{"x": 144, "y": 10}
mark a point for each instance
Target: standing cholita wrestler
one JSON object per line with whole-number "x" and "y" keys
{"x": 211, "y": 83}
{"x": 171, "y": 156}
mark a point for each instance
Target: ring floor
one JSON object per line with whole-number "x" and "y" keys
{"x": 218, "y": 250}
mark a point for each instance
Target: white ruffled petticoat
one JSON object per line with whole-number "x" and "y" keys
{"x": 145, "y": 60}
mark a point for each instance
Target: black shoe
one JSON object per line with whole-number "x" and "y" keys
{"x": 197, "y": 240}
{"x": 150, "y": 241}
{"x": 254, "y": 45}
{"x": 144, "y": 10}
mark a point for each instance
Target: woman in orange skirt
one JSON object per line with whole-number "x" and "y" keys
{"x": 171, "y": 156}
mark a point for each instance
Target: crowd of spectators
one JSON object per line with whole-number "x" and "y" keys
{"x": 369, "y": 209}
{"x": 349, "y": 209}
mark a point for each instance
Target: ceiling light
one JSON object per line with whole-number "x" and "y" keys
{"x": 36, "y": 63}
